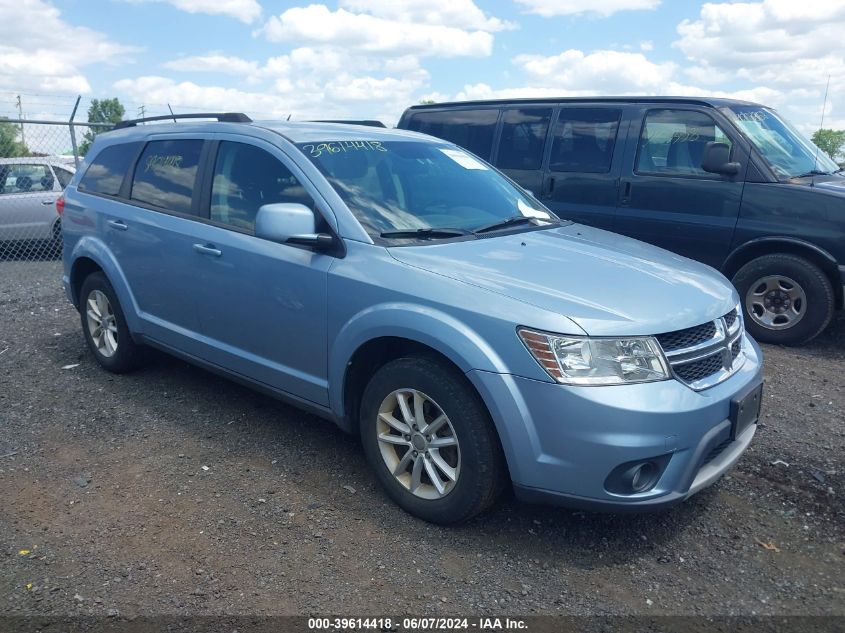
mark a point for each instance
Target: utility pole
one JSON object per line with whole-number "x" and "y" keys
{"x": 142, "y": 111}
{"x": 20, "y": 116}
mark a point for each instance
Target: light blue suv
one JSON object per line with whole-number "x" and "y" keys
{"x": 402, "y": 288}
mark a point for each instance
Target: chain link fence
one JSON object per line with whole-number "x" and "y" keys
{"x": 37, "y": 161}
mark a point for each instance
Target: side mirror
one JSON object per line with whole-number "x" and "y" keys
{"x": 290, "y": 223}
{"x": 717, "y": 159}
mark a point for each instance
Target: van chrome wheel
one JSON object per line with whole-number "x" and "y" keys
{"x": 418, "y": 444}
{"x": 102, "y": 323}
{"x": 776, "y": 302}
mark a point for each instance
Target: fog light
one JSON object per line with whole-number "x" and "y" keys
{"x": 636, "y": 477}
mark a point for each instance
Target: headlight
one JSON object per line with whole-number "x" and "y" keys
{"x": 574, "y": 360}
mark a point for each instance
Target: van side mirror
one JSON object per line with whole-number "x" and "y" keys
{"x": 290, "y": 223}
{"x": 717, "y": 159}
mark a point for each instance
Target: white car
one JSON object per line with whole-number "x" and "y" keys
{"x": 29, "y": 188}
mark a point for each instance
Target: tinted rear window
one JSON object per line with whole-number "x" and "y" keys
{"x": 105, "y": 174}
{"x": 523, "y": 138}
{"x": 584, "y": 140}
{"x": 166, "y": 173}
{"x": 471, "y": 129}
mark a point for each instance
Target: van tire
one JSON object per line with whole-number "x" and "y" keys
{"x": 481, "y": 472}
{"x": 127, "y": 355}
{"x": 780, "y": 277}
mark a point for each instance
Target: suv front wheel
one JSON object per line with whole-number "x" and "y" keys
{"x": 430, "y": 440}
{"x": 786, "y": 299}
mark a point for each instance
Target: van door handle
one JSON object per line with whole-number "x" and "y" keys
{"x": 208, "y": 249}
{"x": 120, "y": 225}
{"x": 626, "y": 193}
{"x": 549, "y": 188}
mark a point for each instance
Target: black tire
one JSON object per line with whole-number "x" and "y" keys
{"x": 128, "y": 354}
{"x": 482, "y": 474}
{"x": 820, "y": 301}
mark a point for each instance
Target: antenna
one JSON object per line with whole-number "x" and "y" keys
{"x": 171, "y": 112}
{"x": 821, "y": 126}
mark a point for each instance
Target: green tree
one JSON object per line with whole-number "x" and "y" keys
{"x": 10, "y": 146}
{"x": 830, "y": 141}
{"x": 101, "y": 111}
{"x": 427, "y": 101}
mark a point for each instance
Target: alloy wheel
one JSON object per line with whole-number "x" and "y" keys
{"x": 102, "y": 323}
{"x": 776, "y": 302}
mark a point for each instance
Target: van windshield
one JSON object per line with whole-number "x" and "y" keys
{"x": 784, "y": 148}
{"x": 430, "y": 189}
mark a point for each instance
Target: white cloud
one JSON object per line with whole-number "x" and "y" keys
{"x": 602, "y": 72}
{"x": 30, "y": 59}
{"x": 462, "y": 14}
{"x": 246, "y": 11}
{"x": 604, "y": 8}
{"x": 213, "y": 63}
{"x": 363, "y": 33}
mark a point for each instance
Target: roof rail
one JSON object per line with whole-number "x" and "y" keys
{"x": 230, "y": 117}
{"x": 367, "y": 122}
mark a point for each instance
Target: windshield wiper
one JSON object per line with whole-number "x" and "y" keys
{"x": 814, "y": 172}
{"x": 430, "y": 233}
{"x": 512, "y": 221}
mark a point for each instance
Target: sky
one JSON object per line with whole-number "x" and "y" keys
{"x": 374, "y": 58}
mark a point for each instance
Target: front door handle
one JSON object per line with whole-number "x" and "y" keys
{"x": 208, "y": 249}
{"x": 120, "y": 225}
{"x": 47, "y": 203}
{"x": 626, "y": 193}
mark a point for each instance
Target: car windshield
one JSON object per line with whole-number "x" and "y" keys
{"x": 786, "y": 150}
{"x": 431, "y": 190}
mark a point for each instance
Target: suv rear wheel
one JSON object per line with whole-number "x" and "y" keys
{"x": 105, "y": 327}
{"x": 430, "y": 440}
{"x": 786, "y": 299}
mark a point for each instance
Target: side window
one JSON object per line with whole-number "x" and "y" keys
{"x": 584, "y": 139}
{"x": 63, "y": 176}
{"x": 672, "y": 142}
{"x": 166, "y": 173}
{"x": 245, "y": 178}
{"x": 105, "y": 173}
{"x": 25, "y": 178}
{"x": 523, "y": 138}
{"x": 471, "y": 129}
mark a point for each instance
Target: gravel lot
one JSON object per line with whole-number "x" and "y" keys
{"x": 173, "y": 491}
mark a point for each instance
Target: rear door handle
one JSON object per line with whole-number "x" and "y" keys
{"x": 120, "y": 225}
{"x": 626, "y": 193}
{"x": 48, "y": 202}
{"x": 549, "y": 189}
{"x": 208, "y": 249}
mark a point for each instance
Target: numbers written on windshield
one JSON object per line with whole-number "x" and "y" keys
{"x": 338, "y": 147}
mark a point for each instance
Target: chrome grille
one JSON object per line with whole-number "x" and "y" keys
{"x": 706, "y": 354}
{"x": 680, "y": 339}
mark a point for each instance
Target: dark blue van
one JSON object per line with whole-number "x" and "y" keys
{"x": 729, "y": 183}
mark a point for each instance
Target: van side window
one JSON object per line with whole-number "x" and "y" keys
{"x": 672, "y": 142}
{"x": 166, "y": 174}
{"x": 471, "y": 129}
{"x": 584, "y": 139}
{"x": 523, "y": 138}
{"x": 106, "y": 171}
{"x": 245, "y": 178}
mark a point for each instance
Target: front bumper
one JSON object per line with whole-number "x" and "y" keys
{"x": 562, "y": 442}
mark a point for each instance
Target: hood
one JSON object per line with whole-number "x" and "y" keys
{"x": 835, "y": 183}
{"x": 606, "y": 283}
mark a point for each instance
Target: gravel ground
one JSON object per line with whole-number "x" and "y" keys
{"x": 173, "y": 491}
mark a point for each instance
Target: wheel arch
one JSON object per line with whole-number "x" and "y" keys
{"x": 791, "y": 246}
{"x": 91, "y": 255}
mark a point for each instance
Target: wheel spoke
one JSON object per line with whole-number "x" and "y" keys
{"x": 445, "y": 468}
{"x": 435, "y": 478}
{"x": 419, "y": 414}
{"x": 393, "y": 423}
{"x": 435, "y": 425}
{"x": 387, "y": 438}
{"x": 402, "y": 400}
{"x": 416, "y": 472}
{"x": 443, "y": 442}
{"x": 94, "y": 308}
{"x": 102, "y": 303}
{"x": 402, "y": 466}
